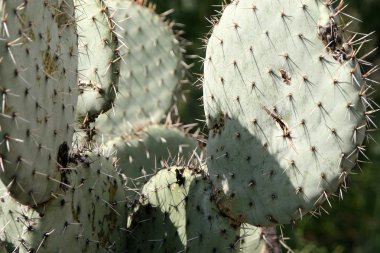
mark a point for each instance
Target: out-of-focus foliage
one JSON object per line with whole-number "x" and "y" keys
{"x": 353, "y": 224}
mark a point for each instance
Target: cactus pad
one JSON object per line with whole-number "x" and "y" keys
{"x": 286, "y": 106}
{"x": 150, "y": 74}
{"x": 38, "y": 66}
{"x": 142, "y": 154}
{"x": 89, "y": 216}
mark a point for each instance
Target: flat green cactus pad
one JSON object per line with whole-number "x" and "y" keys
{"x": 38, "y": 66}
{"x": 285, "y": 103}
{"x": 90, "y": 215}
{"x": 151, "y": 70}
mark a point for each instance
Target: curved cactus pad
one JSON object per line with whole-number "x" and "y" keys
{"x": 141, "y": 155}
{"x": 89, "y": 216}
{"x": 151, "y": 71}
{"x": 98, "y": 59}
{"x": 182, "y": 199}
{"x": 38, "y": 66}
{"x": 285, "y": 103}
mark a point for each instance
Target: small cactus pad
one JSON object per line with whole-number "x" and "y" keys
{"x": 184, "y": 199}
{"x": 142, "y": 154}
{"x": 88, "y": 216}
{"x": 286, "y": 106}
{"x": 98, "y": 59}
{"x": 38, "y": 66}
{"x": 151, "y": 71}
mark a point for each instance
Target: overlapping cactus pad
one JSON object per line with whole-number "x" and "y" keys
{"x": 151, "y": 71}
{"x": 142, "y": 154}
{"x": 89, "y": 215}
{"x": 38, "y": 66}
{"x": 285, "y": 101}
{"x": 178, "y": 202}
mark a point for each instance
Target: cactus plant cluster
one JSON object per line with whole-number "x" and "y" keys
{"x": 91, "y": 161}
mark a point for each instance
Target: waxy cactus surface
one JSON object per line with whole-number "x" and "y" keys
{"x": 182, "y": 198}
{"x": 286, "y": 106}
{"x": 90, "y": 215}
{"x": 150, "y": 74}
{"x": 99, "y": 59}
{"x": 142, "y": 154}
{"x": 38, "y": 66}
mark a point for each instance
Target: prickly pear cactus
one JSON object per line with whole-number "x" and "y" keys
{"x": 90, "y": 215}
{"x": 38, "y": 66}
{"x": 178, "y": 201}
{"x": 150, "y": 73}
{"x": 284, "y": 98}
{"x": 99, "y": 59}
{"x": 286, "y": 104}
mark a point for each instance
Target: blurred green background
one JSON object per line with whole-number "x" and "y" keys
{"x": 352, "y": 225}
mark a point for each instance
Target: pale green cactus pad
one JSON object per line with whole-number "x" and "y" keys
{"x": 99, "y": 59}
{"x": 151, "y": 70}
{"x": 182, "y": 200}
{"x": 90, "y": 215}
{"x": 286, "y": 106}
{"x": 38, "y": 66}
{"x": 141, "y": 155}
